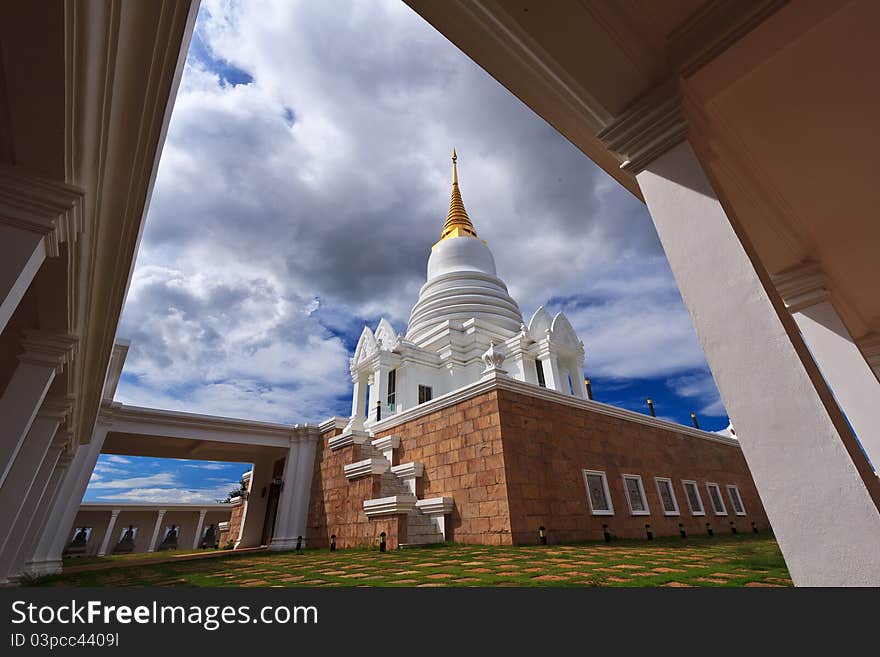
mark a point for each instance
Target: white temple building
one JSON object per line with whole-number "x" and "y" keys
{"x": 464, "y": 324}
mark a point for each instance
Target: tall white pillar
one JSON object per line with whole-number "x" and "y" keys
{"x": 45, "y": 355}
{"x": 378, "y": 391}
{"x": 35, "y": 216}
{"x": 281, "y": 534}
{"x": 819, "y": 493}
{"x": 198, "y": 537}
{"x": 358, "y": 402}
{"x": 853, "y": 382}
{"x": 22, "y": 252}
{"x": 108, "y": 535}
{"x": 17, "y": 532}
{"x": 302, "y": 495}
{"x": 158, "y": 526}
{"x": 47, "y": 502}
{"x": 50, "y": 547}
{"x": 26, "y": 468}
{"x": 550, "y": 366}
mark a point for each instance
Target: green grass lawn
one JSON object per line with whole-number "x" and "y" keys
{"x": 732, "y": 560}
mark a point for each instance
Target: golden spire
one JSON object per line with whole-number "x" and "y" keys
{"x": 458, "y": 224}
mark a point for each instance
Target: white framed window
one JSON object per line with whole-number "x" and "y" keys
{"x": 692, "y": 495}
{"x": 598, "y": 494}
{"x": 716, "y": 499}
{"x": 667, "y": 496}
{"x": 736, "y": 500}
{"x": 635, "y": 495}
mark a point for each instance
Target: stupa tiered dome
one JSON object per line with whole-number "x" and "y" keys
{"x": 462, "y": 280}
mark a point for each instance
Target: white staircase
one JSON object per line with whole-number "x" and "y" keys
{"x": 426, "y": 519}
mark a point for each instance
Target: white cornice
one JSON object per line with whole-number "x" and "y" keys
{"x": 332, "y": 423}
{"x": 391, "y": 441}
{"x": 365, "y": 468}
{"x": 123, "y": 65}
{"x": 388, "y": 506}
{"x": 802, "y": 286}
{"x": 436, "y": 506}
{"x": 649, "y": 127}
{"x": 117, "y": 413}
{"x": 348, "y": 438}
{"x": 411, "y": 470}
{"x": 519, "y": 387}
{"x": 47, "y": 207}
{"x": 48, "y": 348}
{"x": 152, "y": 506}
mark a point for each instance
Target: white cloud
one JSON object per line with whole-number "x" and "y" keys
{"x": 181, "y": 495}
{"x": 269, "y": 241}
{"x": 135, "y": 482}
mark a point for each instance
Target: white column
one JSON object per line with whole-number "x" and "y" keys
{"x": 47, "y": 556}
{"x": 281, "y": 539}
{"x": 108, "y": 535}
{"x": 45, "y": 355}
{"x": 379, "y": 391}
{"x": 21, "y": 254}
{"x": 198, "y": 537}
{"x": 17, "y": 532}
{"x": 302, "y": 495}
{"x": 358, "y": 400}
{"x": 47, "y": 502}
{"x": 816, "y": 486}
{"x": 853, "y": 382}
{"x": 25, "y": 469}
{"x": 155, "y": 538}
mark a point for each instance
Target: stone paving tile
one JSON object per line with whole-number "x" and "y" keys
{"x": 440, "y": 576}
{"x": 710, "y": 580}
{"x": 763, "y": 584}
{"x": 550, "y": 578}
{"x": 678, "y": 585}
{"x": 431, "y": 584}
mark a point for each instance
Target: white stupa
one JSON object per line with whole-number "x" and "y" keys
{"x": 464, "y": 324}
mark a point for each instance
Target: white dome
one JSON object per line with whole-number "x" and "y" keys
{"x": 462, "y": 284}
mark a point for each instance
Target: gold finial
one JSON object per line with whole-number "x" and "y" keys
{"x": 457, "y": 224}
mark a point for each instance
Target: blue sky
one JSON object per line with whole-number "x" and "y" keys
{"x": 305, "y": 176}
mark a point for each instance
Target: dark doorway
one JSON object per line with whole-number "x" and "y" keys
{"x": 272, "y": 502}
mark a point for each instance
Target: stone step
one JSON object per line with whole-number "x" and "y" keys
{"x": 422, "y": 530}
{"x": 390, "y": 484}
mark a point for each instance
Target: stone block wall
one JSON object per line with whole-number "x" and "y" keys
{"x": 513, "y": 462}
{"x": 547, "y": 445}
